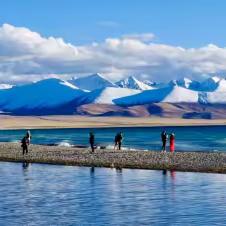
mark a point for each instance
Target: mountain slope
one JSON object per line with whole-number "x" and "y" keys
{"x": 92, "y": 82}
{"x": 210, "y": 84}
{"x": 108, "y": 95}
{"x": 43, "y": 94}
{"x": 170, "y": 94}
{"x": 221, "y": 86}
{"x": 133, "y": 83}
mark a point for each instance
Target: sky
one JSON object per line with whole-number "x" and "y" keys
{"x": 151, "y": 39}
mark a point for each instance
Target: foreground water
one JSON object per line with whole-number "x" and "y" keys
{"x": 205, "y": 138}
{"x": 63, "y": 195}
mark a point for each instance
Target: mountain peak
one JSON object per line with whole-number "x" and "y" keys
{"x": 92, "y": 82}
{"x": 216, "y": 78}
{"x": 133, "y": 83}
{"x": 211, "y": 83}
{"x": 95, "y": 75}
{"x": 185, "y": 83}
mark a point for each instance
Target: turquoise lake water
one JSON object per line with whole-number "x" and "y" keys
{"x": 205, "y": 138}
{"x": 38, "y": 194}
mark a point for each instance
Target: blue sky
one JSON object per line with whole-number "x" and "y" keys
{"x": 191, "y": 23}
{"x": 64, "y": 38}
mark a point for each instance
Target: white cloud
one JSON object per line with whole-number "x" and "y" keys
{"x": 27, "y": 56}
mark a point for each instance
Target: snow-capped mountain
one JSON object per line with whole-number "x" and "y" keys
{"x": 210, "y": 84}
{"x": 221, "y": 86}
{"x": 133, "y": 83}
{"x": 170, "y": 94}
{"x": 5, "y": 86}
{"x": 212, "y": 97}
{"x": 108, "y": 95}
{"x": 150, "y": 83}
{"x": 43, "y": 94}
{"x": 217, "y": 96}
{"x": 58, "y": 96}
{"x": 186, "y": 83}
{"x": 92, "y": 82}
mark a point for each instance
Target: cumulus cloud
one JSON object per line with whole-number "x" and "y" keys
{"x": 27, "y": 56}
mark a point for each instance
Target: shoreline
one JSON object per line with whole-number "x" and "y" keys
{"x": 8, "y": 122}
{"x": 209, "y": 162}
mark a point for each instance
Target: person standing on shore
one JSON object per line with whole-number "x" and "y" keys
{"x": 120, "y": 138}
{"x": 91, "y": 140}
{"x": 164, "y": 139}
{"x": 172, "y": 142}
{"x": 28, "y": 136}
{"x": 118, "y": 141}
{"x": 24, "y": 145}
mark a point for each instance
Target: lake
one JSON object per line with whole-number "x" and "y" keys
{"x": 196, "y": 138}
{"x": 35, "y": 194}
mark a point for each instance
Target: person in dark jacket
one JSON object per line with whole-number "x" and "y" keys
{"x": 28, "y": 136}
{"x": 91, "y": 140}
{"x": 164, "y": 139}
{"x": 118, "y": 140}
{"x": 24, "y": 145}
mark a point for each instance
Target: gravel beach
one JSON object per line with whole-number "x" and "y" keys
{"x": 180, "y": 161}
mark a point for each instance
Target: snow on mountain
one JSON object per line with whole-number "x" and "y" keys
{"x": 170, "y": 94}
{"x": 221, "y": 86}
{"x": 149, "y": 83}
{"x": 5, "y": 86}
{"x": 218, "y": 96}
{"x": 213, "y": 97}
{"x": 186, "y": 83}
{"x": 51, "y": 93}
{"x": 183, "y": 83}
{"x": 108, "y": 95}
{"x": 43, "y": 94}
{"x": 92, "y": 82}
{"x": 133, "y": 83}
{"x": 181, "y": 95}
{"x": 210, "y": 84}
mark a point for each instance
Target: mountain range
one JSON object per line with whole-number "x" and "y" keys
{"x": 96, "y": 95}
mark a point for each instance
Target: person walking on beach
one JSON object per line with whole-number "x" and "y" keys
{"x": 91, "y": 140}
{"x": 172, "y": 142}
{"x": 24, "y": 145}
{"x": 164, "y": 139}
{"x": 28, "y": 136}
{"x": 118, "y": 140}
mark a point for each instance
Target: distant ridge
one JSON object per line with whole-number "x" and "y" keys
{"x": 56, "y": 96}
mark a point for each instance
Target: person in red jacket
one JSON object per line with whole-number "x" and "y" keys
{"x": 172, "y": 142}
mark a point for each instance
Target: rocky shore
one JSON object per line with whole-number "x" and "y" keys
{"x": 180, "y": 161}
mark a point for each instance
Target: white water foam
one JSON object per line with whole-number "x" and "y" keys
{"x": 111, "y": 147}
{"x": 64, "y": 144}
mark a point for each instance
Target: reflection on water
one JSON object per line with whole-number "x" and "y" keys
{"x": 25, "y": 165}
{"x": 65, "y": 195}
